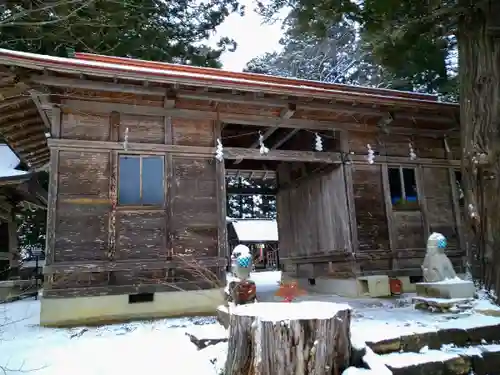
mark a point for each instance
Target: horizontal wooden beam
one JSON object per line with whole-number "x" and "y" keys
{"x": 282, "y": 155}
{"x": 39, "y": 143}
{"x": 234, "y": 153}
{"x": 20, "y": 113}
{"x": 261, "y": 174}
{"x": 127, "y": 265}
{"x": 231, "y": 118}
{"x": 235, "y": 118}
{"x": 14, "y": 126}
{"x": 13, "y": 102}
{"x": 75, "y": 83}
{"x": 401, "y": 160}
{"x": 249, "y": 99}
{"x": 35, "y": 127}
{"x": 250, "y": 191}
{"x": 26, "y": 141}
{"x": 132, "y": 147}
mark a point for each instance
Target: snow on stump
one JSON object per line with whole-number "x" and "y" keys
{"x": 301, "y": 338}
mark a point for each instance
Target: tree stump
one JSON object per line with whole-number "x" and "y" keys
{"x": 302, "y": 338}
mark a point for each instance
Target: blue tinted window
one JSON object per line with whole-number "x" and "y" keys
{"x": 152, "y": 180}
{"x": 129, "y": 188}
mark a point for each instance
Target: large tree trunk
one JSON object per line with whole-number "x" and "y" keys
{"x": 479, "y": 65}
{"x": 282, "y": 338}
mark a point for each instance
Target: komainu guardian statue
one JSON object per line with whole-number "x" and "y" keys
{"x": 241, "y": 290}
{"x": 437, "y": 266}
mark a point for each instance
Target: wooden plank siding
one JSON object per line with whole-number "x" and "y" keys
{"x": 100, "y": 246}
{"x": 313, "y": 220}
{"x": 338, "y": 222}
{"x": 390, "y": 239}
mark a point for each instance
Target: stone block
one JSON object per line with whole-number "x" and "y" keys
{"x": 374, "y": 286}
{"x": 446, "y": 289}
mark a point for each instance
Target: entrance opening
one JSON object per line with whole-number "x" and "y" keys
{"x": 287, "y": 202}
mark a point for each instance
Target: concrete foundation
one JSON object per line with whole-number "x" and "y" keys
{"x": 57, "y": 312}
{"x": 447, "y": 289}
{"x": 363, "y": 286}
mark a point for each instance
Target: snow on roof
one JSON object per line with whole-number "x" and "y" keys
{"x": 8, "y": 162}
{"x": 252, "y": 230}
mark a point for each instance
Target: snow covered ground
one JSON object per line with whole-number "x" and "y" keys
{"x": 130, "y": 348}
{"x": 140, "y": 346}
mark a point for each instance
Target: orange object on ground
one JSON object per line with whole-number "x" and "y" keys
{"x": 290, "y": 291}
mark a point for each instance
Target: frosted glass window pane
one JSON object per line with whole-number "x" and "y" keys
{"x": 152, "y": 180}
{"x": 129, "y": 189}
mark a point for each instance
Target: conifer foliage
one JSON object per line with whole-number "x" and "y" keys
{"x": 169, "y": 31}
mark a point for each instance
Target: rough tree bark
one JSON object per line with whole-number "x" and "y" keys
{"x": 303, "y": 338}
{"x": 479, "y": 69}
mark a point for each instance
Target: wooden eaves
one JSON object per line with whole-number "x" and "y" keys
{"x": 350, "y": 108}
{"x": 160, "y": 79}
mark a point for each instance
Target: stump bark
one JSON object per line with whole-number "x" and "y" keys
{"x": 302, "y": 338}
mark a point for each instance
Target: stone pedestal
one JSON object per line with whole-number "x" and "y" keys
{"x": 453, "y": 295}
{"x": 454, "y": 288}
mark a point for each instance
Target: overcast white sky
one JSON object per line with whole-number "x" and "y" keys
{"x": 253, "y": 38}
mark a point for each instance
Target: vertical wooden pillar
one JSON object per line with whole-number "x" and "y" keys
{"x": 55, "y": 128}
{"x": 220, "y": 172}
{"x": 14, "y": 253}
{"x": 349, "y": 189}
{"x": 347, "y": 169}
{"x": 389, "y": 216}
{"x": 114, "y": 136}
{"x": 454, "y": 198}
{"x": 169, "y": 178}
{"x": 419, "y": 176}
{"x": 51, "y": 207}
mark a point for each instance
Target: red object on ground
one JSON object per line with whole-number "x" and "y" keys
{"x": 395, "y": 286}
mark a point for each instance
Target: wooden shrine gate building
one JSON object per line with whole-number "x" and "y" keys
{"x": 137, "y": 196}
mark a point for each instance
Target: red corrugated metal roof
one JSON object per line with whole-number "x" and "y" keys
{"x": 219, "y": 73}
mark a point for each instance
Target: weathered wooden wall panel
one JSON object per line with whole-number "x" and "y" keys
{"x": 432, "y": 148}
{"x": 85, "y": 126}
{"x": 81, "y": 232}
{"x": 193, "y": 132}
{"x": 439, "y": 204}
{"x": 79, "y": 281}
{"x": 84, "y": 173}
{"x": 370, "y": 208}
{"x": 410, "y": 239}
{"x": 409, "y": 229}
{"x": 317, "y": 216}
{"x": 142, "y": 129}
{"x": 194, "y": 205}
{"x": 357, "y": 142}
{"x": 143, "y": 277}
{"x": 395, "y": 145}
{"x": 398, "y": 145}
{"x": 141, "y": 235}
